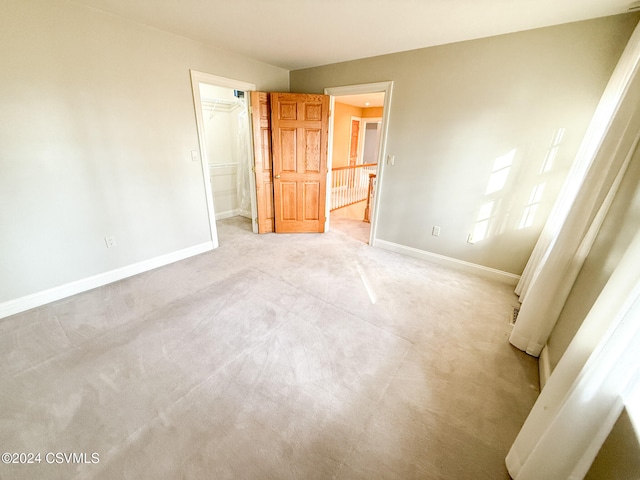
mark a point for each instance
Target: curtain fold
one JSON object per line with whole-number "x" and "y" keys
{"x": 596, "y": 377}
{"x": 577, "y": 215}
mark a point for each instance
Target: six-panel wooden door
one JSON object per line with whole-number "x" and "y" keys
{"x": 299, "y": 130}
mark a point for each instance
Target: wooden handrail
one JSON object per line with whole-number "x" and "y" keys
{"x": 367, "y": 209}
{"x": 355, "y": 166}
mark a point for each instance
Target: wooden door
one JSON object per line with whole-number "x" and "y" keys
{"x": 263, "y": 166}
{"x": 355, "y": 141}
{"x": 299, "y": 129}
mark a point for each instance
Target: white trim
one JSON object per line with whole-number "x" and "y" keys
{"x": 544, "y": 366}
{"x": 332, "y": 117}
{"x": 196, "y": 79}
{"x": 38, "y": 299}
{"x": 584, "y": 395}
{"x": 387, "y": 88}
{"x": 229, "y": 214}
{"x": 358, "y": 89}
{"x": 222, "y": 81}
{"x": 197, "y": 105}
{"x": 481, "y": 270}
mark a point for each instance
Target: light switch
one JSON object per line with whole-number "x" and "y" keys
{"x": 391, "y": 159}
{"x": 194, "y": 155}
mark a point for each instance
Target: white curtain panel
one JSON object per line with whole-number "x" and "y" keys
{"x": 598, "y": 375}
{"x": 575, "y": 220}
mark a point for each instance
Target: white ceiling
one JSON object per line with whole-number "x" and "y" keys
{"x": 361, "y": 100}
{"x": 297, "y": 34}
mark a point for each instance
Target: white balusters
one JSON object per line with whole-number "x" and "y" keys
{"x": 350, "y": 184}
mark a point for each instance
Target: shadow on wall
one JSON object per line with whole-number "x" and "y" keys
{"x": 512, "y": 200}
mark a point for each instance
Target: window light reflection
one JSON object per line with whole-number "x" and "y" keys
{"x": 500, "y": 172}
{"x": 552, "y": 151}
{"x": 483, "y": 221}
{"x": 530, "y": 209}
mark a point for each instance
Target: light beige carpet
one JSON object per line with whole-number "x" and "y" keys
{"x": 274, "y": 357}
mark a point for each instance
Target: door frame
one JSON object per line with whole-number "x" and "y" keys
{"x": 196, "y": 79}
{"x": 387, "y": 88}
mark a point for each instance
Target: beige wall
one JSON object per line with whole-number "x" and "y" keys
{"x": 457, "y": 108}
{"x": 620, "y": 225}
{"x": 619, "y": 456}
{"x": 96, "y": 127}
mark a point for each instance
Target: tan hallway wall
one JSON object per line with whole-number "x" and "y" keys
{"x": 342, "y": 133}
{"x": 372, "y": 112}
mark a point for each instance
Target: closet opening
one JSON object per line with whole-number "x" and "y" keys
{"x": 226, "y": 151}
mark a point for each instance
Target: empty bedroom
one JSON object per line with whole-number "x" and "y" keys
{"x": 182, "y": 294}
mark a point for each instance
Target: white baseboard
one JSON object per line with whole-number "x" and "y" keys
{"x": 544, "y": 367}
{"x": 505, "y": 277}
{"x": 38, "y": 299}
{"x": 228, "y": 214}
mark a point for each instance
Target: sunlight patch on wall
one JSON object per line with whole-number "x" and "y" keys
{"x": 552, "y": 151}
{"x": 490, "y": 211}
{"x": 515, "y": 190}
{"x": 500, "y": 172}
{"x": 483, "y": 221}
{"x": 531, "y": 207}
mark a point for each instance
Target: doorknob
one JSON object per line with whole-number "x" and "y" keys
{"x": 277, "y": 176}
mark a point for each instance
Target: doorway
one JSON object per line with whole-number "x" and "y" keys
{"x": 371, "y": 142}
{"x": 226, "y": 153}
{"x": 357, "y": 135}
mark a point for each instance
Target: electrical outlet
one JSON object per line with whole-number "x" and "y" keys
{"x": 435, "y": 231}
{"x": 470, "y": 238}
{"x": 110, "y": 241}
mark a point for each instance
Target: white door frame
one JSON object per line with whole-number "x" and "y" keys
{"x": 387, "y": 88}
{"x": 196, "y": 79}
